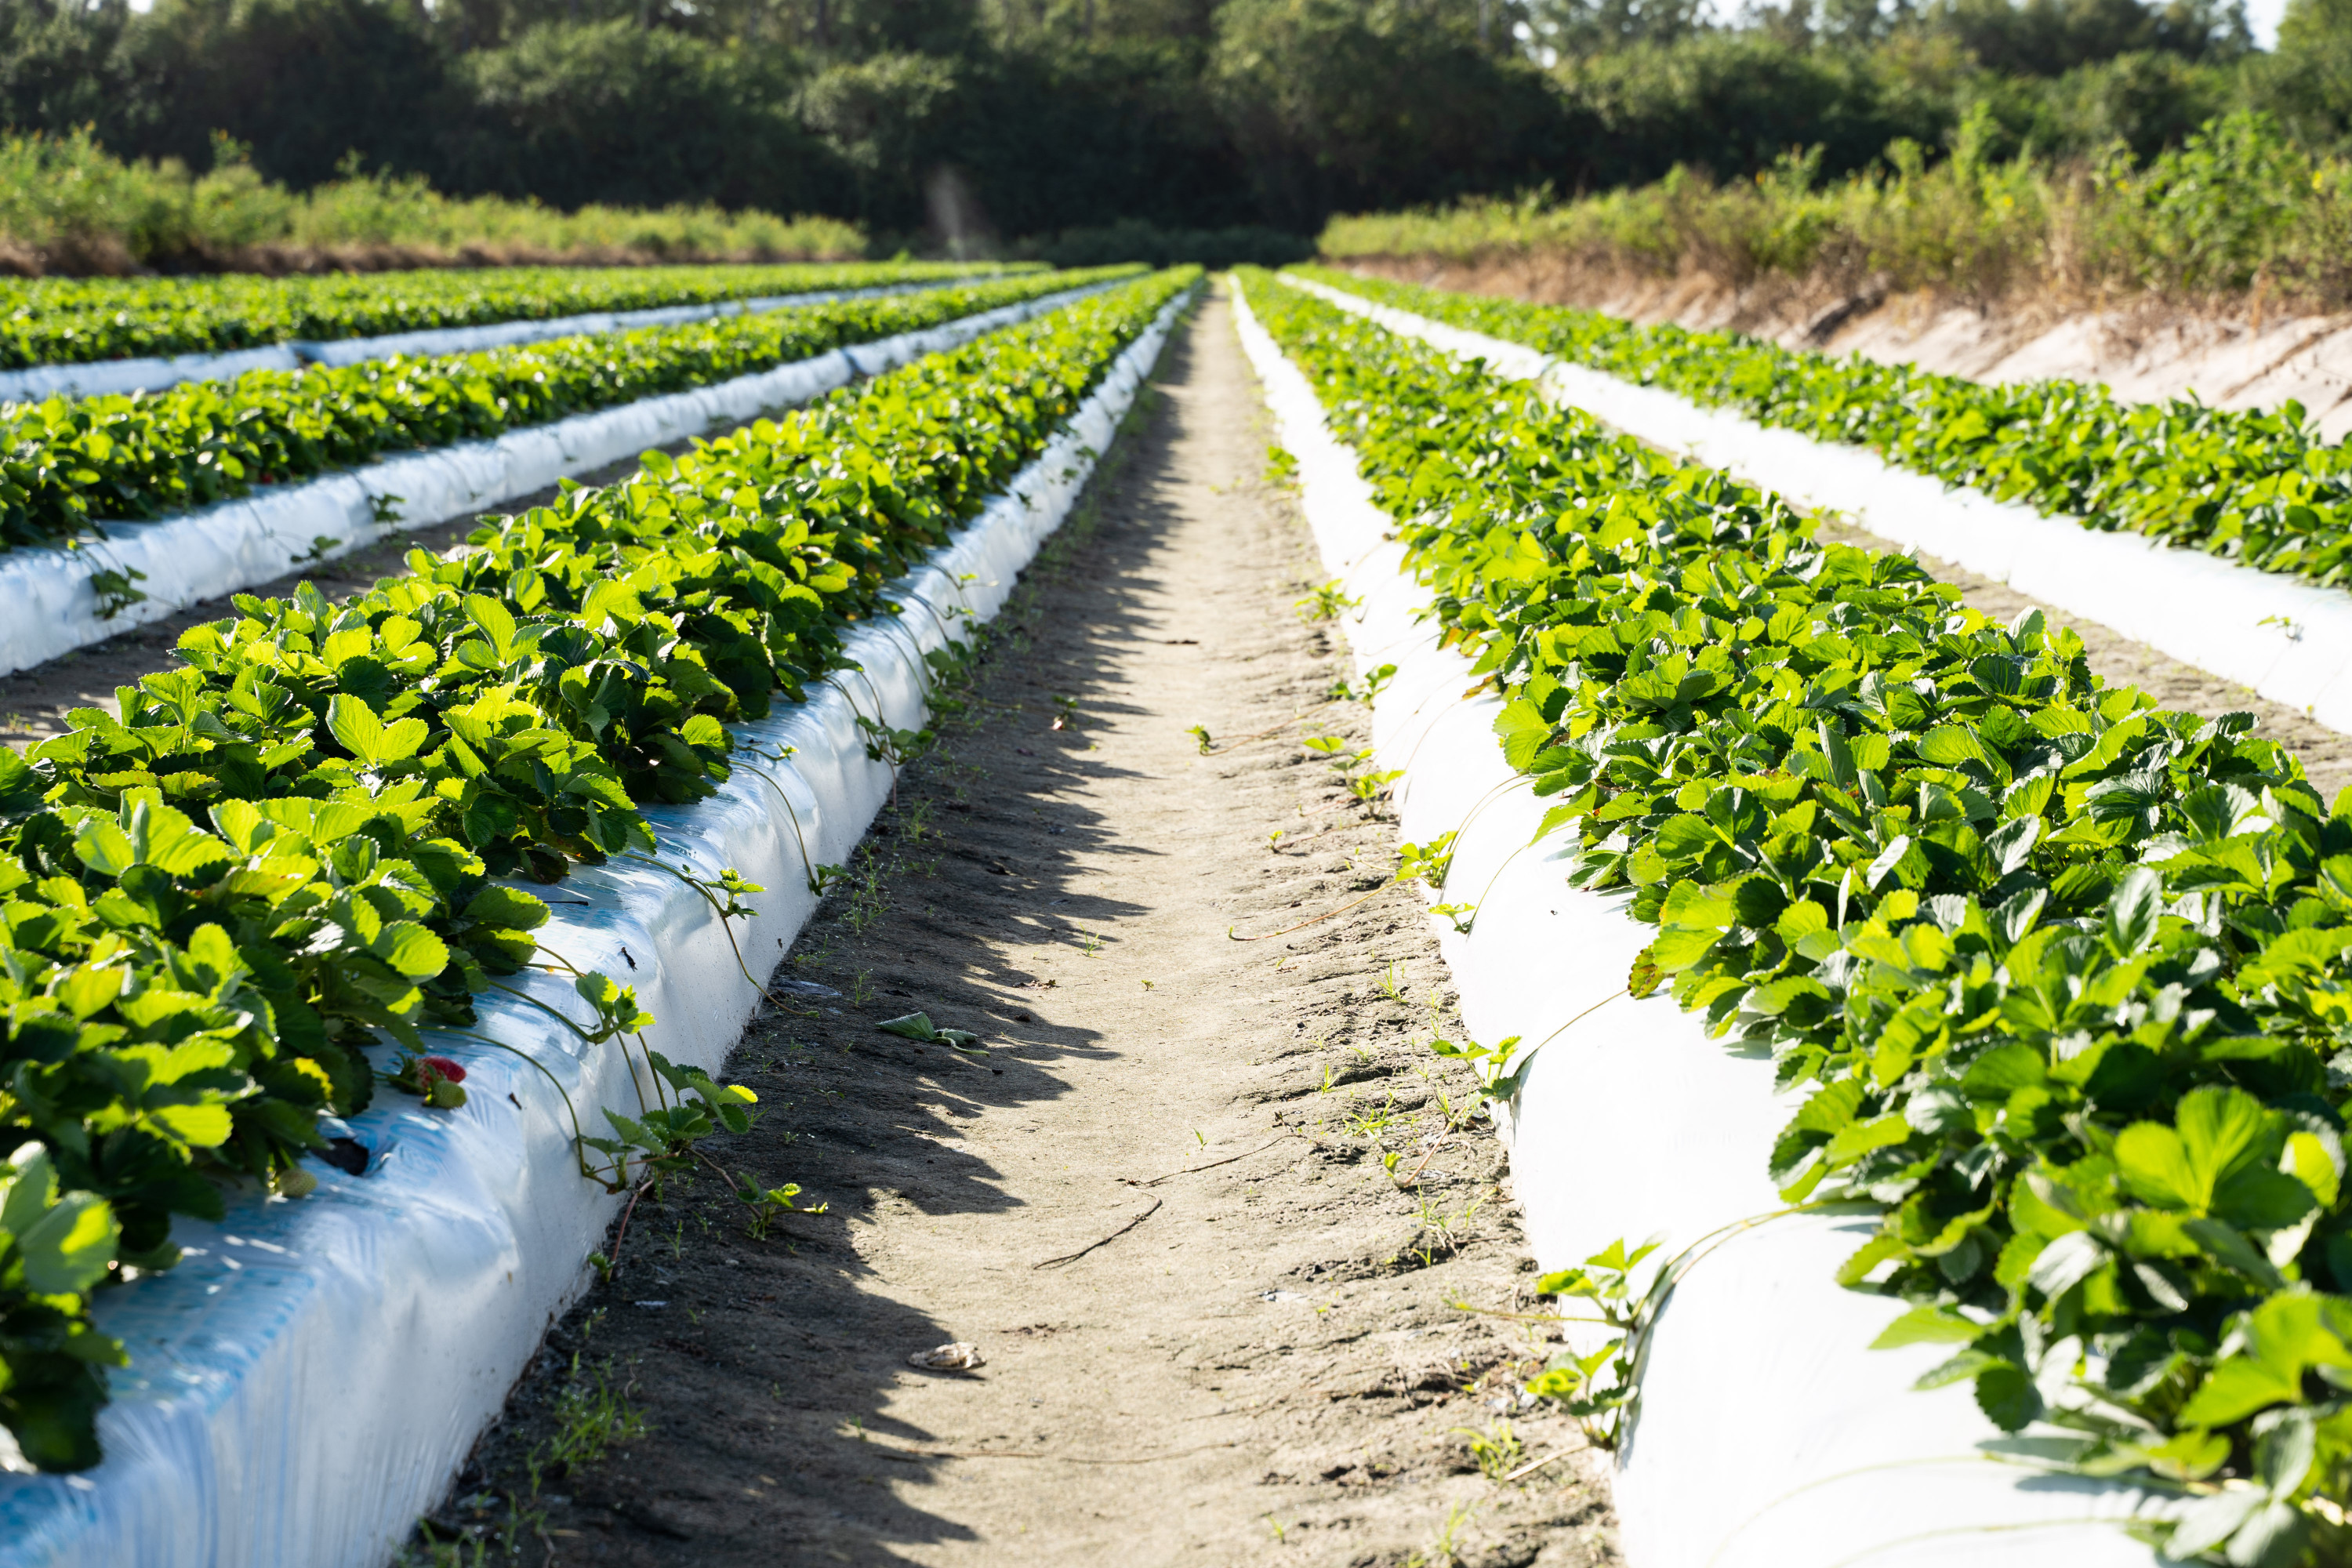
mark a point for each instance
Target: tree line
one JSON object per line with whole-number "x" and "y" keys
{"x": 1129, "y": 121}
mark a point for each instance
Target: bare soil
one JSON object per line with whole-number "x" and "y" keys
{"x": 1216, "y": 1329}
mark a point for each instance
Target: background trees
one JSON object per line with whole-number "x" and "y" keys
{"x": 992, "y": 121}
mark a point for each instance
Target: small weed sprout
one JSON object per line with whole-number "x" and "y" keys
{"x": 1430, "y": 862}
{"x": 592, "y": 1417}
{"x": 1327, "y": 602}
{"x": 1497, "y": 1450}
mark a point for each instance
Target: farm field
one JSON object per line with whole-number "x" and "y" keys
{"x": 2256, "y": 487}
{"x": 408, "y": 891}
{"x": 2033, "y": 974}
{"x": 1270, "y": 1350}
{"x": 243, "y": 479}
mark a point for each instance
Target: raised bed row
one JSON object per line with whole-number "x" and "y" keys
{"x": 306, "y": 1379}
{"x": 116, "y": 334}
{"x": 1756, "y": 1425}
{"x": 201, "y": 554}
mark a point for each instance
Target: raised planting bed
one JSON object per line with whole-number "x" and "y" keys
{"x": 74, "y": 596}
{"x": 307, "y": 1378}
{"x": 2187, "y": 592}
{"x": 117, "y": 334}
{"x": 1880, "y": 966}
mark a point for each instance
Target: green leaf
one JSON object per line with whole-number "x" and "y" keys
{"x": 496, "y": 622}
{"x": 1927, "y": 1325}
{"x": 355, "y": 725}
{"x": 63, "y": 1242}
{"x": 2210, "y": 1521}
{"x": 2132, "y": 909}
{"x": 510, "y": 908}
{"x": 2008, "y": 1397}
{"x": 413, "y": 951}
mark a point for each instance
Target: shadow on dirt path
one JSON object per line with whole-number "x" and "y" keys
{"x": 1216, "y": 1329}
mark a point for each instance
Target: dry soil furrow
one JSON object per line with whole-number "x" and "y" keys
{"x": 1216, "y": 1329}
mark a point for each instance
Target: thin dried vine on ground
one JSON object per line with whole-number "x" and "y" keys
{"x": 1212, "y": 1326}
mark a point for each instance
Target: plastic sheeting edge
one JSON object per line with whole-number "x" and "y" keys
{"x": 95, "y": 377}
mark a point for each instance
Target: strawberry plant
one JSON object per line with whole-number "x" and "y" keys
{"x": 54, "y": 321}
{"x": 66, "y": 463}
{"x": 295, "y": 846}
{"x": 2256, "y": 487}
{"x": 2056, "y": 977}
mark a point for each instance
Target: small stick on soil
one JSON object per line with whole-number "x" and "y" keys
{"x": 1211, "y": 1164}
{"x": 621, "y": 1235}
{"x": 1114, "y": 1235}
{"x": 1414, "y": 1176}
{"x": 1261, "y": 734}
{"x": 1302, "y": 925}
{"x": 1531, "y": 1468}
{"x": 889, "y": 1452}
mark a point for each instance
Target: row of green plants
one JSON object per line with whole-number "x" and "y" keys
{"x": 55, "y": 320}
{"x": 2054, "y": 977}
{"x": 299, "y": 843}
{"x": 68, "y": 462}
{"x": 2257, "y": 487}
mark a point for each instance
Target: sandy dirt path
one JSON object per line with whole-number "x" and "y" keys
{"x": 1216, "y": 1329}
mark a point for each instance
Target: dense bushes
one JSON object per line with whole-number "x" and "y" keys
{"x": 1136, "y": 241}
{"x": 2240, "y": 205}
{"x": 68, "y": 205}
{"x": 971, "y": 126}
